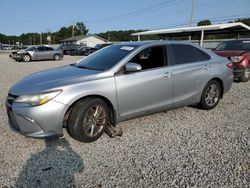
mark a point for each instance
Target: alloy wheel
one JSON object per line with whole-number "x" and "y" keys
{"x": 26, "y": 58}
{"x": 56, "y": 57}
{"x": 94, "y": 120}
{"x": 247, "y": 73}
{"x": 212, "y": 95}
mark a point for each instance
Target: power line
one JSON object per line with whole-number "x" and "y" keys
{"x": 213, "y": 19}
{"x": 137, "y": 12}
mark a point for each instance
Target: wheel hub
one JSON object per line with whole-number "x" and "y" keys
{"x": 94, "y": 120}
{"x": 212, "y": 95}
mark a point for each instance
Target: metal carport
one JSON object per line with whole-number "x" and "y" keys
{"x": 237, "y": 28}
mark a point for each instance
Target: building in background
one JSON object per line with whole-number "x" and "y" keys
{"x": 84, "y": 40}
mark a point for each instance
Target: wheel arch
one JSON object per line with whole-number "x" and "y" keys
{"x": 221, "y": 85}
{"x": 28, "y": 55}
{"x": 112, "y": 112}
{"x": 56, "y": 54}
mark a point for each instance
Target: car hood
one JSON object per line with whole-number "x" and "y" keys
{"x": 22, "y": 51}
{"x": 51, "y": 79}
{"x": 229, "y": 53}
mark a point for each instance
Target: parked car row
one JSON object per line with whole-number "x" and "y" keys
{"x": 238, "y": 52}
{"x": 37, "y": 53}
{"x": 117, "y": 83}
{"x": 84, "y": 51}
{"x": 11, "y": 47}
{"x": 76, "y": 49}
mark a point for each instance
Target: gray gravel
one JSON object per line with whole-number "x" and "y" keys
{"x": 180, "y": 148}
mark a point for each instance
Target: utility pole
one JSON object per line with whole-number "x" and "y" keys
{"x": 41, "y": 38}
{"x": 49, "y": 36}
{"x": 73, "y": 31}
{"x": 192, "y": 16}
{"x": 34, "y": 40}
{"x": 30, "y": 40}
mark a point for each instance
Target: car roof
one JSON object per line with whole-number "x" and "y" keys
{"x": 237, "y": 40}
{"x": 152, "y": 42}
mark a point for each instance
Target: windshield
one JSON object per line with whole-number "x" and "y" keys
{"x": 31, "y": 49}
{"x": 105, "y": 58}
{"x": 234, "y": 45}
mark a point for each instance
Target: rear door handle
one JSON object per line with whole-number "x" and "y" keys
{"x": 168, "y": 75}
{"x": 207, "y": 67}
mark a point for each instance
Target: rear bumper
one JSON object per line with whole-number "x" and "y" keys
{"x": 228, "y": 82}
{"x": 37, "y": 122}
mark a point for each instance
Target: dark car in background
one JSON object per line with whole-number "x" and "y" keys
{"x": 68, "y": 48}
{"x": 82, "y": 51}
{"x": 238, "y": 52}
{"x": 100, "y": 46}
{"x": 37, "y": 53}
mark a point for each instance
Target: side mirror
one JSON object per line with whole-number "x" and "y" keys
{"x": 132, "y": 67}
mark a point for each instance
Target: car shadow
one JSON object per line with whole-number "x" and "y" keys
{"x": 55, "y": 166}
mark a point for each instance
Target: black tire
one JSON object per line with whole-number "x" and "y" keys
{"x": 83, "y": 125}
{"x": 88, "y": 52}
{"x": 209, "y": 98}
{"x": 56, "y": 57}
{"x": 26, "y": 58}
{"x": 246, "y": 76}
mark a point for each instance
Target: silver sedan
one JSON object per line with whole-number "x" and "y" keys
{"x": 37, "y": 53}
{"x": 117, "y": 83}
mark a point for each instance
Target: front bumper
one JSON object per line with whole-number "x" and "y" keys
{"x": 38, "y": 122}
{"x": 17, "y": 57}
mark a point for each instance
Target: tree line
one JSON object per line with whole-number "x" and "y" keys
{"x": 80, "y": 29}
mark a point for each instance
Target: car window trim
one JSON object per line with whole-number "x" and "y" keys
{"x": 121, "y": 70}
{"x": 172, "y": 59}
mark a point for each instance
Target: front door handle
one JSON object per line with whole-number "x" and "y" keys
{"x": 207, "y": 67}
{"x": 168, "y": 75}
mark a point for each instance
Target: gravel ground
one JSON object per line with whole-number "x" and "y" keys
{"x": 180, "y": 148}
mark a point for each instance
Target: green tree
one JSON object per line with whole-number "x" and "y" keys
{"x": 244, "y": 20}
{"x": 80, "y": 29}
{"x": 204, "y": 22}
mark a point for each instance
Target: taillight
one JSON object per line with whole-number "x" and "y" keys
{"x": 243, "y": 63}
{"x": 230, "y": 65}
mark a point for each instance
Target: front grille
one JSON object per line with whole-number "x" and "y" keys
{"x": 11, "y": 98}
{"x": 12, "y": 121}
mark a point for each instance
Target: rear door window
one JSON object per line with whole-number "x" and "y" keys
{"x": 183, "y": 54}
{"x": 40, "y": 49}
{"x": 48, "y": 49}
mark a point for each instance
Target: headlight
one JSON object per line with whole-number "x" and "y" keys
{"x": 37, "y": 99}
{"x": 236, "y": 59}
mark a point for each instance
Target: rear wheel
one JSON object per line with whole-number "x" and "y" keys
{"x": 56, "y": 57}
{"x": 88, "y": 52}
{"x": 210, "y": 95}
{"x": 26, "y": 58}
{"x": 88, "y": 119}
{"x": 246, "y": 76}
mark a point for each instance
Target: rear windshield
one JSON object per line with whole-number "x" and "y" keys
{"x": 105, "y": 58}
{"x": 234, "y": 45}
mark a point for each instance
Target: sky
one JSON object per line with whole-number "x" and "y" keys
{"x": 23, "y": 16}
